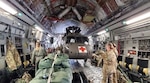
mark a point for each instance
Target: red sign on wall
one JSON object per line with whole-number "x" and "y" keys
{"x": 133, "y": 52}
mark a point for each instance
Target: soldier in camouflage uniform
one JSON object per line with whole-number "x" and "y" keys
{"x": 37, "y": 54}
{"x": 109, "y": 64}
{"x": 117, "y": 54}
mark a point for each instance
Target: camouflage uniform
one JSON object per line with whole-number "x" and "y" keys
{"x": 98, "y": 58}
{"x": 117, "y": 54}
{"x": 12, "y": 56}
{"x": 37, "y": 55}
{"x": 109, "y": 66}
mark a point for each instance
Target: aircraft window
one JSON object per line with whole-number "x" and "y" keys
{"x": 86, "y": 39}
{"x": 86, "y": 43}
{"x": 79, "y": 40}
{"x": 70, "y": 40}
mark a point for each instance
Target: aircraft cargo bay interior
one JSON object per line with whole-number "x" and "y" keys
{"x": 74, "y": 41}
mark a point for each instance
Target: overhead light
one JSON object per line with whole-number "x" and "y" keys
{"x": 19, "y": 23}
{"x": 38, "y": 28}
{"x": 19, "y": 14}
{"x": 89, "y": 37}
{"x": 124, "y": 22}
{"x": 49, "y": 35}
{"x": 138, "y": 18}
{"x": 106, "y": 29}
{"x": 101, "y": 32}
{"x": 7, "y": 8}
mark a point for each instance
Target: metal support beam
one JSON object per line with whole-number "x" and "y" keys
{"x": 49, "y": 12}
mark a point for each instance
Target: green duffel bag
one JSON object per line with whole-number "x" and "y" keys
{"x": 63, "y": 56}
{"x": 41, "y": 76}
{"x": 61, "y": 74}
{"x": 51, "y": 56}
{"x": 69, "y": 72}
{"x": 45, "y": 63}
{"x": 61, "y": 77}
{"x": 42, "y": 72}
{"x": 64, "y": 63}
{"x": 20, "y": 81}
{"x": 38, "y": 80}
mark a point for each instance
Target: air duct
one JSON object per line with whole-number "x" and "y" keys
{"x": 64, "y": 12}
{"x": 77, "y": 13}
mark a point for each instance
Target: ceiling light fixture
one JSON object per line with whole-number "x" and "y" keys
{"x": 7, "y": 8}
{"x": 38, "y": 28}
{"x": 49, "y": 35}
{"x": 101, "y": 32}
{"x": 89, "y": 37}
{"x": 19, "y": 14}
{"x": 138, "y": 18}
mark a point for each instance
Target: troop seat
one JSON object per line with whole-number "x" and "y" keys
{"x": 119, "y": 58}
{"x": 129, "y": 62}
{"x": 121, "y": 61}
{"x": 143, "y": 66}
{"x": 140, "y": 70}
{"x": 137, "y": 68}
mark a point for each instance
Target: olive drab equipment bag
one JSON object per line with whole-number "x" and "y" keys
{"x": 53, "y": 67}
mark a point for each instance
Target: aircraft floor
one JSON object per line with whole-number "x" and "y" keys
{"x": 93, "y": 74}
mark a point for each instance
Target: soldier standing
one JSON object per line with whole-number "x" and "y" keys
{"x": 37, "y": 54}
{"x": 109, "y": 64}
{"x": 117, "y": 54}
